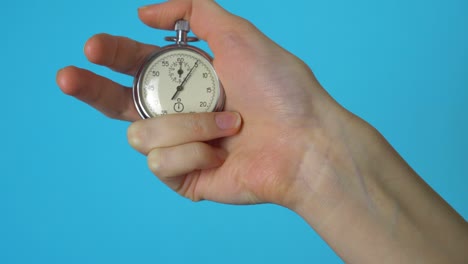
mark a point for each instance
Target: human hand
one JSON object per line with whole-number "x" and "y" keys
{"x": 282, "y": 140}
{"x": 254, "y": 161}
{"x": 276, "y": 95}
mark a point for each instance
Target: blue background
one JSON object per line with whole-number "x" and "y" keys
{"x": 73, "y": 191}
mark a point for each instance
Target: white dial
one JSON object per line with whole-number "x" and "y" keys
{"x": 177, "y": 80}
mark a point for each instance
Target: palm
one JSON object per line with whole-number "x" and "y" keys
{"x": 249, "y": 174}
{"x": 263, "y": 154}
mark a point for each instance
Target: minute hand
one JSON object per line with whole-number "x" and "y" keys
{"x": 181, "y": 86}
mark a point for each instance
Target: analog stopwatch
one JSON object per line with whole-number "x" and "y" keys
{"x": 178, "y": 78}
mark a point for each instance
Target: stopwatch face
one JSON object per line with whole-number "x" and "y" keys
{"x": 177, "y": 80}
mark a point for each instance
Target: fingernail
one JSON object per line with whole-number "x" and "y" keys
{"x": 227, "y": 120}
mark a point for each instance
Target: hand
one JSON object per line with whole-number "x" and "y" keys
{"x": 276, "y": 94}
{"x": 282, "y": 140}
{"x": 276, "y": 97}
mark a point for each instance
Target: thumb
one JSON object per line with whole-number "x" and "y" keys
{"x": 205, "y": 16}
{"x": 208, "y": 20}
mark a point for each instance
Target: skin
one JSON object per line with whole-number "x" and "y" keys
{"x": 281, "y": 139}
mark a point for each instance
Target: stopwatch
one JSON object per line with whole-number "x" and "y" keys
{"x": 178, "y": 78}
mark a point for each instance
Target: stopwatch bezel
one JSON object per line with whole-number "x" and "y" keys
{"x": 137, "y": 84}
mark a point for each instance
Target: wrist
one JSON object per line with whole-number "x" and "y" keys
{"x": 340, "y": 158}
{"x": 340, "y": 192}
{"x": 367, "y": 203}
{"x": 343, "y": 162}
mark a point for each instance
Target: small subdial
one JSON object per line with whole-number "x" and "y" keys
{"x": 178, "y": 70}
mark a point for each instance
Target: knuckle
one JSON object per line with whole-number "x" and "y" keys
{"x": 136, "y": 135}
{"x": 188, "y": 187}
{"x": 197, "y": 152}
{"x": 155, "y": 161}
{"x": 196, "y": 124}
{"x": 113, "y": 114}
{"x": 239, "y": 39}
{"x": 245, "y": 24}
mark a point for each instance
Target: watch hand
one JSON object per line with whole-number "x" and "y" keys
{"x": 179, "y": 89}
{"x": 180, "y": 71}
{"x": 181, "y": 86}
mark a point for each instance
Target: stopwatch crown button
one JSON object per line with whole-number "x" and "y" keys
{"x": 182, "y": 25}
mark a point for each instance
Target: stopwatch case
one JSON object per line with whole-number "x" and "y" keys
{"x": 137, "y": 84}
